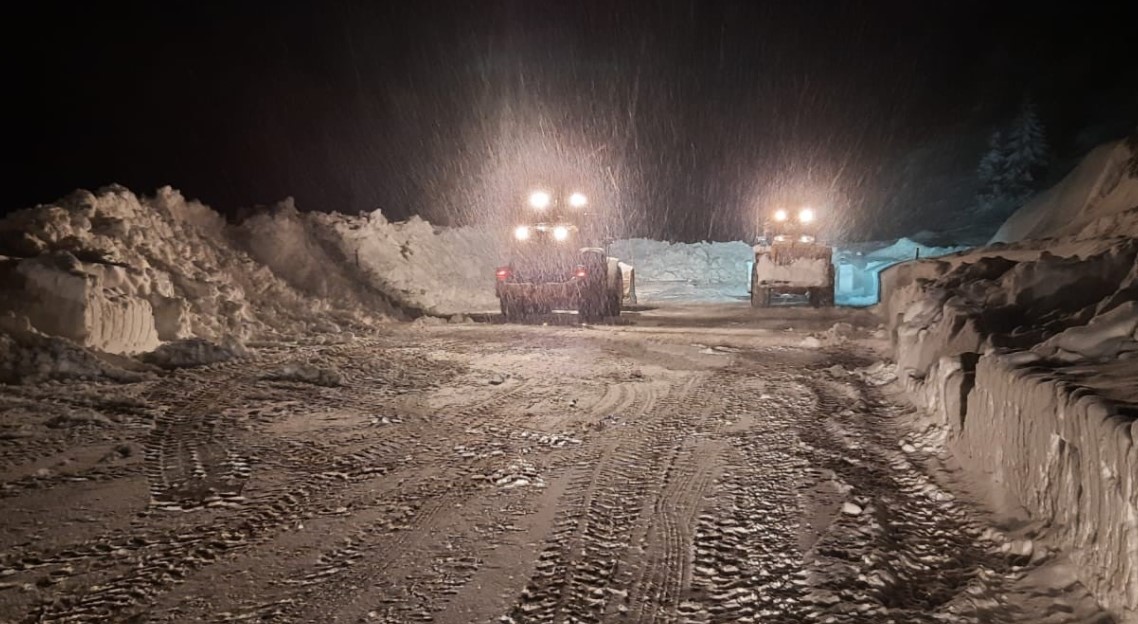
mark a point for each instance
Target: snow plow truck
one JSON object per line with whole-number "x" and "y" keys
{"x": 789, "y": 261}
{"x": 558, "y": 260}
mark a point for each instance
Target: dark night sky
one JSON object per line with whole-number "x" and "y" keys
{"x": 686, "y": 117}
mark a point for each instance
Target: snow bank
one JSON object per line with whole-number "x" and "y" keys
{"x": 1030, "y": 367}
{"x": 120, "y": 274}
{"x": 721, "y": 271}
{"x": 1067, "y": 455}
{"x": 1026, "y": 357}
{"x": 443, "y": 270}
{"x": 1098, "y": 198}
{"x": 371, "y": 263}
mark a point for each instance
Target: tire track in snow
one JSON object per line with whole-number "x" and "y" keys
{"x": 399, "y": 551}
{"x": 589, "y": 566}
{"x": 127, "y": 571}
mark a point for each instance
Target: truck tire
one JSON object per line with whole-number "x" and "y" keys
{"x": 631, "y": 299}
{"x": 591, "y": 307}
{"x": 512, "y": 310}
{"x": 760, "y": 297}
{"x": 615, "y": 296}
{"x": 821, "y": 298}
{"x": 594, "y": 293}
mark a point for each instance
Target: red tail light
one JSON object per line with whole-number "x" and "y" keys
{"x": 503, "y": 273}
{"x": 580, "y": 271}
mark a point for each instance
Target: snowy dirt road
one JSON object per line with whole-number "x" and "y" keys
{"x": 485, "y": 473}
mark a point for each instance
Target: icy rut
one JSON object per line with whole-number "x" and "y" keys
{"x": 480, "y": 474}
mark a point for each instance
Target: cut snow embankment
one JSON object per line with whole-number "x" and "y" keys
{"x": 116, "y": 273}
{"x": 1025, "y": 356}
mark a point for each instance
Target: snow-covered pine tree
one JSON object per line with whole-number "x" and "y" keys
{"x": 1010, "y": 169}
{"x": 993, "y": 173}
{"x": 1026, "y": 153}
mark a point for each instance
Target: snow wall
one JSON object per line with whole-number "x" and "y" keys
{"x": 1025, "y": 358}
{"x": 707, "y": 271}
{"x": 119, "y": 274}
{"x": 122, "y": 274}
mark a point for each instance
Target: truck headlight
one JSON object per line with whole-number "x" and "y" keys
{"x": 560, "y": 233}
{"x": 780, "y": 215}
{"x": 578, "y": 200}
{"x": 521, "y": 233}
{"x": 806, "y": 215}
{"x": 539, "y": 199}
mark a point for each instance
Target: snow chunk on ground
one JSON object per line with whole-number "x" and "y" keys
{"x": 31, "y": 358}
{"x": 307, "y": 373}
{"x": 193, "y": 352}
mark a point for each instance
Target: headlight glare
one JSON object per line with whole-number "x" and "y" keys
{"x": 521, "y": 233}
{"x": 560, "y": 233}
{"x": 806, "y": 215}
{"x": 578, "y": 200}
{"x": 780, "y": 215}
{"x": 539, "y": 199}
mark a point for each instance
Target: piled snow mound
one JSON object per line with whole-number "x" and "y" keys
{"x": 317, "y": 254}
{"x": 121, "y": 274}
{"x": 1100, "y": 197}
{"x": 1030, "y": 366}
{"x": 372, "y": 262}
{"x": 721, "y": 271}
{"x": 445, "y": 270}
{"x": 191, "y": 353}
